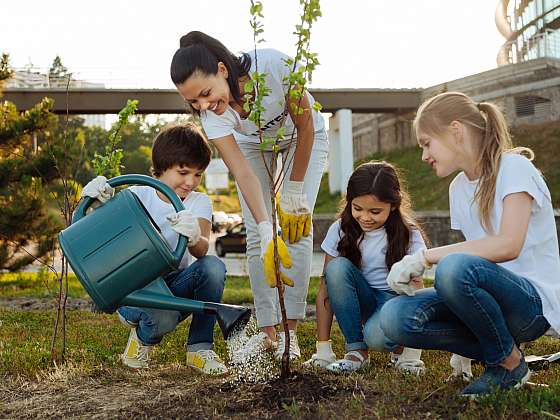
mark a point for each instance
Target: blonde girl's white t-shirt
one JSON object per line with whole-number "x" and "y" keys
{"x": 272, "y": 63}
{"x": 373, "y": 248}
{"x": 198, "y": 204}
{"x": 539, "y": 260}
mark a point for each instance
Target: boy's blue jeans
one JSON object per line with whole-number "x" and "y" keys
{"x": 202, "y": 280}
{"x": 477, "y": 309}
{"x": 357, "y": 306}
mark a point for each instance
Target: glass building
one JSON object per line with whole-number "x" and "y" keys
{"x": 531, "y": 29}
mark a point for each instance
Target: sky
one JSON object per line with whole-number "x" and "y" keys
{"x": 360, "y": 43}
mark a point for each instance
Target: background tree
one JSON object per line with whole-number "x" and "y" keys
{"x": 59, "y": 76}
{"x": 27, "y": 227}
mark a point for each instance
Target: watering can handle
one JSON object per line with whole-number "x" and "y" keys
{"x": 140, "y": 180}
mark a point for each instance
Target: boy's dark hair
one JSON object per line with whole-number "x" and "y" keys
{"x": 382, "y": 180}
{"x": 180, "y": 144}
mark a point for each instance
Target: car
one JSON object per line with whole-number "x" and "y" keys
{"x": 235, "y": 240}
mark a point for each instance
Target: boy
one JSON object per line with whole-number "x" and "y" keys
{"x": 179, "y": 157}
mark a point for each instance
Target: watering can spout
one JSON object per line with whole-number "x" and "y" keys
{"x": 157, "y": 295}
{"x": 231, "y": 318}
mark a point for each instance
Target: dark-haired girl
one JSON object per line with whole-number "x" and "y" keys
{"x": 211, "y": 80}
{"x": 375, "y": 230}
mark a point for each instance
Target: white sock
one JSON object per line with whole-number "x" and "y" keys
{"x": 324, "y": 349}
{"x": 409, "y": 354}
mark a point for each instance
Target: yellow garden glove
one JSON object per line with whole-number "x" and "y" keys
{"x": 267, "y": 254}
{"x": 294, "y": 212}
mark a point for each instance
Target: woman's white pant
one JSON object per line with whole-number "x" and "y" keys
{"x": 267, "y": 306}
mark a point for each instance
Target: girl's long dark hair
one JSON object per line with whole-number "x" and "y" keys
{"x": 200, "y": 52}
{"x": 382, "y": 180}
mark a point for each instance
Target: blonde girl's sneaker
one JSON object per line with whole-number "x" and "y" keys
{"x": 461, "y": 368}
{"x": 136, "y": 355}
{"x": 295, "y": 352}
{"x": 323, "y": 357}
{"x": 207, "y": 362}
{"x": 347, "y": 365}
{"x": 408, "y": 361}
{"x": 498, "y": 378}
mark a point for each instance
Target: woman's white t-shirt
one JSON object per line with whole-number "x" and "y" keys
{"x": 198, "y": 204}
{"x": 373, "y": 248}
{"x": 272, "y": 63}
{"x": 539, "y": 259}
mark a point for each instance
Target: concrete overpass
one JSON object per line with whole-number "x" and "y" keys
{"x": 168, "y": 101}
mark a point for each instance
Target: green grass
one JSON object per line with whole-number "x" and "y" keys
{"x": 429, "y": 192}
{"x": 43, "y": 285}
{"x": 94, "y": 342}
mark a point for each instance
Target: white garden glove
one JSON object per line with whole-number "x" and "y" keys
{"x": 294, "y": 212}
{"x": 99, "y": 189}
{"x": 184, "y": 223}
{"x": 403, "y": 271}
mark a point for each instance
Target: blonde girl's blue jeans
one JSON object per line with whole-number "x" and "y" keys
{"x": 477, "y": 309}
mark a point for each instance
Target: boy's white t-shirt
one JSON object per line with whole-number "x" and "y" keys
{"x": 198, "y": 204}
{"x": 539, "y": 260}
{"x": 271, "y": 63}
{"x": 373, "y": 248}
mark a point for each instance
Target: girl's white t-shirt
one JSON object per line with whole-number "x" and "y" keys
{"x": 198, "y": 204}
{"x": 373, "y": 248}
{"x": 539, "y": 259}
{"x": 272, "y": 63}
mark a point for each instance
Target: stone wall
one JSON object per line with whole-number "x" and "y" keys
{"x": 436, "y": 224}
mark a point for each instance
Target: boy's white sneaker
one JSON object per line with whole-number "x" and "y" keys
{"x": 295, "y": 352}
{"x": 323, "y": 357}
{"x": 408, "y": 361}
{"x": 347, "y": 365}
{"x": 206, "y": 361}
{"x": 136, "y": 355}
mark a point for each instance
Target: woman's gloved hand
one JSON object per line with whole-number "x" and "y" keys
{"x": 184, "y": 223}
{"x": 99, "y": 189}
{"x": 267, "y": 254}
{"x": 294, "y": 212}
{"x": 402, "y": 272}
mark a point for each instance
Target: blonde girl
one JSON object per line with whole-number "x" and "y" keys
{"x": 501, "y": 286}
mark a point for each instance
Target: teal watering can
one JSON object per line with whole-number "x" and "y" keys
{"x": 119, "y": 255}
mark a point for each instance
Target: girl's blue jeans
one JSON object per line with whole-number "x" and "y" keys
{"x": 202, "y": 280}
{"x": 477, "y": 309}
{"x": 356, "y": 306}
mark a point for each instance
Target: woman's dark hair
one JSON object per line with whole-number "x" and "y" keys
{"x": 180, "y": 144}
{"x": 200, "y": 52}
{"x": 382, "y": 180}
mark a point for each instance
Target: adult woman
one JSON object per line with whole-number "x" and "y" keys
{"x": 211, "y": 79}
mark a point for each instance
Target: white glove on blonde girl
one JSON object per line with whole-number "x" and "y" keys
{"x": 99, "y": 189}
{"x": 403, "y": 271}
{"x": 184, "y": 223}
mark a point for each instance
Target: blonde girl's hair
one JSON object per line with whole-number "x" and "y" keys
{"x": 489, "y": 128}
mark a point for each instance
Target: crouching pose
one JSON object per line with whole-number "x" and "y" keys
{"x": 179, "y": 157}
{"x": 501, "y": 286}
{"x": 374, "y": 231}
